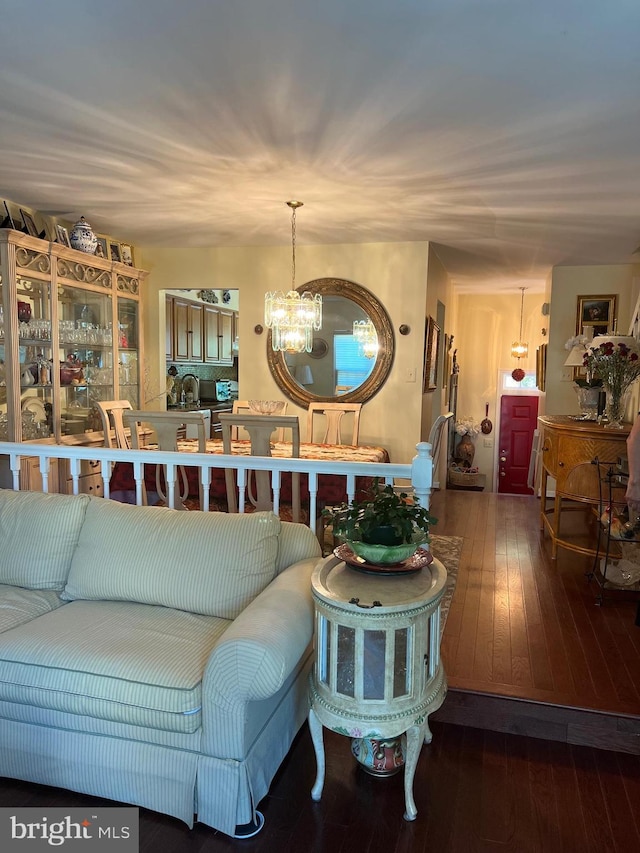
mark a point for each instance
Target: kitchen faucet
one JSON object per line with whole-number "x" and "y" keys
{"x": 193, "y": 384}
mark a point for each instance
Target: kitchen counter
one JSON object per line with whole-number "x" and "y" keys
{"x": 192, "y": 407}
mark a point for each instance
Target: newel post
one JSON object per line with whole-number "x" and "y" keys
{"x": 422, "y": 473}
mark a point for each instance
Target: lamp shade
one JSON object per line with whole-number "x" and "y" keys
{"x": 628, "y": 340}
{"x": 303, "y": 375}
{"x": 576, "y": 356}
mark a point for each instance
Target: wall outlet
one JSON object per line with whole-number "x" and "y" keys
{"x": 567, "y": 374}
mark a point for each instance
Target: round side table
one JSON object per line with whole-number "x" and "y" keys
{"x": 377, "y": 673}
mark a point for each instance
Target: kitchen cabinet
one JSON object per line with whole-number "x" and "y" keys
{"x": 69, "y": 337}
{"x": 198, "y": 332}
{"x": 187, "y": 330}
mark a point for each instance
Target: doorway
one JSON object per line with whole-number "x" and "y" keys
{"x": 518, "y": 421}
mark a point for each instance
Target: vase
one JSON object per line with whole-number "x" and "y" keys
{"x": 588, "y": 402}
{"x": 465, "y": 451}
{"x": 616, "y": 406}
{"x": 82, "y": 237}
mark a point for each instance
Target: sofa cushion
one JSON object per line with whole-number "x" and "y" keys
{"x": 18, "y": 605}
{"x": 296, "y": 542}
{"x": 38, "y": 535}
{"x": 204, "y": 562}
{"x": 120, "y": 661}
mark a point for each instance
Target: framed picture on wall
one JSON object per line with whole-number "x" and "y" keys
{"x": 431, "y": 348}
{"x": 596, "y": 315}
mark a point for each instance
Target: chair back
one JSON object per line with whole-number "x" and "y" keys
{"x": 436, "y": 433}
{"x": 333, "y": 428}
{"x": 111, "y": 416}
{"x": 260, "y": 429}
{"x": 167, "y": 426}
{"x": 258, "y": 407}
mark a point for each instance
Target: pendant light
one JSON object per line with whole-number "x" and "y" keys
{"x": 520, "y": 349}
{"x": 292, "y": 317}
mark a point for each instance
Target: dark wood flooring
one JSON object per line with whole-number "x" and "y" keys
{"x": 526, "y": 650}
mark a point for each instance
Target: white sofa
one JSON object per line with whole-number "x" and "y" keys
{"x": 151, "y": 656}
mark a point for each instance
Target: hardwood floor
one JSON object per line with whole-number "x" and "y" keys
{"x": 526, "y": 650}
{"x": 523, "y": 627}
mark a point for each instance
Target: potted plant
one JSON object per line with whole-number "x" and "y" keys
{"x": 385, "y": 527}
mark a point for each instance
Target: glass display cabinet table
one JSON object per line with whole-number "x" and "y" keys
{"x": 377, "y": 674}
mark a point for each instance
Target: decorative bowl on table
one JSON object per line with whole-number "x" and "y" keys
{"x": 266, "y": 407}
{"x": 383, "y": 555}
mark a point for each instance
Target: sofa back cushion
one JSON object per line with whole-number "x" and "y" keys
{"x": 296, "y": 542}
{"x": 203, "y": 562}
{"x": 38, "y": 535}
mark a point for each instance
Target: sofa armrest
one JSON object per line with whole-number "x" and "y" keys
{"x": 263, "y": 645}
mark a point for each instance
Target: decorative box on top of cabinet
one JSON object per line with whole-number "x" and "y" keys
{"x": 568, "y": 448}
{"x": 69, "y": 337}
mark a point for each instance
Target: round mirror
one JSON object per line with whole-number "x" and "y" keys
{"x": 339, "y": 366}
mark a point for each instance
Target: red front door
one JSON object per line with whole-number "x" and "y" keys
{"x": 518, "y": 420}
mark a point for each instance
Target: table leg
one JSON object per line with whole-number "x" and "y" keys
{"x": 428, "y": 736}
{"x": 415, "y": 736}
{"x": 557, "y": 506}
{"x": 543, "y": 496}
{"x": 315, "y": 727}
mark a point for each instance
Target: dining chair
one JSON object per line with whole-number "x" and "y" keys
{"x": 260, "y": 429}
{"x": 258, "y": 407}
{"x": 438, "y": 429}
{"x": 111, "y": 412}
{"x": 333, "y": 427}
{"x": 167, "y": 426}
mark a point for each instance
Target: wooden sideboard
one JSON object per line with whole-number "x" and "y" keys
{"x": 567, "y": 448}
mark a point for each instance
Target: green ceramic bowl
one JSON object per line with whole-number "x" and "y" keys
{"x": 384, "y": 555}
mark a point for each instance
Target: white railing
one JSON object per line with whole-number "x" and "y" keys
{"x": 418, "y": 473}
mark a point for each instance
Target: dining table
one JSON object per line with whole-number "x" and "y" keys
{"x": 331, "y": 487}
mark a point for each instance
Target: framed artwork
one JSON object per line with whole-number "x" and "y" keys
{"x": 126, "y": 253}
{"x": 62, "y": 236}
{"x": 431, "y": 347}
{"x": 102, "y": 249}
{"x": 7, "y": 222}
{"x": 114, "y": 250}
{"x": 541, "y": 367}
{"x": 29, "y": 223}
{"x": 596, "y": 314}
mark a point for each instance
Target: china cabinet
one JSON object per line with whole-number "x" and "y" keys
{"x": 69, "y": 338}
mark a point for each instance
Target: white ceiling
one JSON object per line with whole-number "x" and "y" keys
{"x": 507, "y": 131}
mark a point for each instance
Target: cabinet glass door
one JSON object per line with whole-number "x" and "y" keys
{"x": 128, "y": 370}
{"x": 85, "y": 357}
{"x": 35, "y": 360}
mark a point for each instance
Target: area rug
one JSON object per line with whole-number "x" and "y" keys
{"x": 447, "y": 549}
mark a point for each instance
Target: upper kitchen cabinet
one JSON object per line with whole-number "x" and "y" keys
{"x": 197, "y": 332}
{"x": 69, "y": 337}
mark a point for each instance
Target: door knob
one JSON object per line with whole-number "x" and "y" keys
{"x": 502, "y": 474}
{"x": 503, "y": 458}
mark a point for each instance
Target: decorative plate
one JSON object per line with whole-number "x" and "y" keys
{"x": 413, "y": 564}
{"x": 36, "y": 406}
{"x": 319, "y": 348}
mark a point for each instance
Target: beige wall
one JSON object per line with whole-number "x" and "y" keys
{"x": 486, "y": 327}
{"x": 567, "y": 284}
{"x": 395, "y": 272}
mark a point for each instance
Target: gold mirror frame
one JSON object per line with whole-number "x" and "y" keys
{"x": 375, "y": 310}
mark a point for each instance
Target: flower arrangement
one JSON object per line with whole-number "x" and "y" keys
{"x": 591, "y": 380}
{"x": 618, "y": 366}
{"x": 467, "y": 426}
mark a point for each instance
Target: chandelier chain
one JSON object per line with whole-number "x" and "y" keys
{"x": 293, "y": 248}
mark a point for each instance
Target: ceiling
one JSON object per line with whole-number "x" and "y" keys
{"x": 506, "y": 131}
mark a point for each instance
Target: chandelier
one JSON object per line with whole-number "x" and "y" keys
{"x": 520, "y": 349}
{"x": 365, "y": 334}
{"x": 292, "y": 317}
